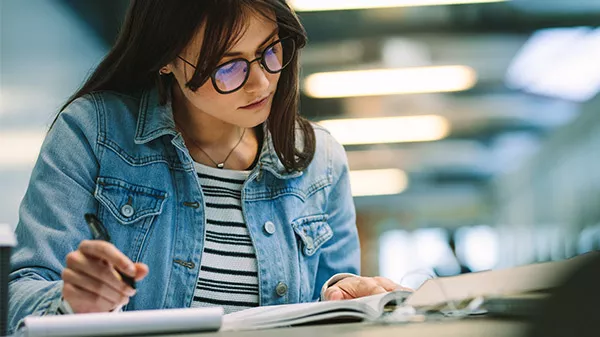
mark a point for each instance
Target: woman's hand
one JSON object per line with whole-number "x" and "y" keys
{"x": 91, "y": 281}
{"x": 359, "y": 286}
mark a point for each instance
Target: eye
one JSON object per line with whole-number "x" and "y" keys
{"x": 229, "y": 68}
{"x": 273, "y": 50}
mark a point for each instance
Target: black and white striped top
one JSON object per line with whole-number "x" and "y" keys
{"x": 228, "y": 271}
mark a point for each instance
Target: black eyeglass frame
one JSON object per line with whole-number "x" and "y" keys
{"x": 261, "y": 59}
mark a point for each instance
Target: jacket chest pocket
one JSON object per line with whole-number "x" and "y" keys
{"x": 313, "y": 231}
{"x": 129, "y": 203}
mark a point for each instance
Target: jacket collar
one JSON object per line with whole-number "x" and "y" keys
{"x": 155, "y": 120}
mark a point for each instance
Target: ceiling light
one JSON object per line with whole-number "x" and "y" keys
{"x": 378, "y": 182}
{"x": 390, "y": 81}
{"x": 387, "y": 129}
{"x": 559, "y": 62}
{"x": 328, "y": 5}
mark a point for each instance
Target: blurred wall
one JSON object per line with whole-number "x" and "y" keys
{"x": 549, "y": 208}
{"x": 46, "y": 54}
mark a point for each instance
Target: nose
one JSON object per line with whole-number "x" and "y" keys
{"x": 257, "y": 79}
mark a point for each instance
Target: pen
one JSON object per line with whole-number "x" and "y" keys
{"x": 99, "y": 232}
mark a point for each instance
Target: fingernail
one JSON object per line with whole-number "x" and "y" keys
{"x": 131, "y": 270}
{"x": 131, "y": 292}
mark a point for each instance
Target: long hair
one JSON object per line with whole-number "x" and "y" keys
{"x": 156, "y": 31}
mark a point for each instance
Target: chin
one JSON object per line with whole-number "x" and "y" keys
{"x": 254, "y": 118}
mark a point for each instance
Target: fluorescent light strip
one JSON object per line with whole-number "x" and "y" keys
{"x": 20, "y": 148}
{"x": 390, "y": 81}
{"x": 378, "y": 182}
{"x": 328, "y": 5}
{"x": 387, "y": 129}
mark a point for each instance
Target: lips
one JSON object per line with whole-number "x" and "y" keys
{"x": 256, "y": 103}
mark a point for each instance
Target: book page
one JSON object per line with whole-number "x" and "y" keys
{"x": 376, "y": 303}
{"x": 288, "y": 314}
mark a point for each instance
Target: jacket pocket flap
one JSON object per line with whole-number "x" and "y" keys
{"x": 128, "y": 202}
{"x": 314, "y": 231}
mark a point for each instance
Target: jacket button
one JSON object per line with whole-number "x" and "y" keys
{"x": 269, "y": 227}
{"x": 127, "y": 210}
{"x": 281, "y": 289}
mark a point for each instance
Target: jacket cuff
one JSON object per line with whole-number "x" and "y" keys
{"x": 47, "y": 307}
{"x": 333, "y": 280}
{"x": 65, "y": 308}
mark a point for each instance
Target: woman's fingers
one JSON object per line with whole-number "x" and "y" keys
{"x": 106, "y": 251}
{"x": 99, "y": 270}
{"x": 386, "y": 283}
{"x": 141, "y": 271}
{"x": 94, "y": 286}
{"x": 359, "y": 286}
{"x": 82, "y": 301}
{"x": 91, "y": 280}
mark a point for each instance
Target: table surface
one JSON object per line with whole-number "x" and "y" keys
{"x": 469, "y": 327}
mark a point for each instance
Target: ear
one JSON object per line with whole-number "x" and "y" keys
{"x": 166, "y": 70}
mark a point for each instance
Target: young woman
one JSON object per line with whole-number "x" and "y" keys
{"x": 186, "y": 143}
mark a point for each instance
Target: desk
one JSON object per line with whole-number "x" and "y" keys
{"x": 470, "y": 327}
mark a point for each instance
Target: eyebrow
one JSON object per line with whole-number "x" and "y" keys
{"x": 275, "y": 32}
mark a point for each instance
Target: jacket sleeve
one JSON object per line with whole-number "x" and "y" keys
{"x": 60, "y": 191}
{"x": 341, "y": 254}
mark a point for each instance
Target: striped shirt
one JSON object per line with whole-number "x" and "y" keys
{"x": 228, "y": 269}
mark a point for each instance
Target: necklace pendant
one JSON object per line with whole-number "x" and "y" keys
{"x": 221, "y": 165}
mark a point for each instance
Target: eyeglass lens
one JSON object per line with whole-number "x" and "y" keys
{"x": 232, "y": 75}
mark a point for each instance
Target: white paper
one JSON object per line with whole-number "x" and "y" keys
{"x": 124, "y": 323}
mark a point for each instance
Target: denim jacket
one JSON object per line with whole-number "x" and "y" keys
{"x": 121, "y": 158}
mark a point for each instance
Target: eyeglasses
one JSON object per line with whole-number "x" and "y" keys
{"x": 232, "y": 75}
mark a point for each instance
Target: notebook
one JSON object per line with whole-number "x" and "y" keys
{"x": 142, "y": 322}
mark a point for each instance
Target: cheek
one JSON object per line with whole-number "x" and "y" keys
{"x": 274, "y": 79}
{"x": 208, "y": 100}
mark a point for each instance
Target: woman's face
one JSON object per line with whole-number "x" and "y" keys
{"x": 235, "y": 108}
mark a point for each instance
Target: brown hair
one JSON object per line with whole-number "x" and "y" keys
{"x": 156, "y": 31}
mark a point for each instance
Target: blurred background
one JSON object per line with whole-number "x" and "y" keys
{"x": 471, "y": 127}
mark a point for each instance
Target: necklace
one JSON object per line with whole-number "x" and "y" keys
{"x": 220, "y": 165}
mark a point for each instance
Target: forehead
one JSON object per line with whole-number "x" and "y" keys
{"x": 255, "y": 27}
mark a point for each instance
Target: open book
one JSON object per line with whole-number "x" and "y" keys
{"x": 361, "y": 309}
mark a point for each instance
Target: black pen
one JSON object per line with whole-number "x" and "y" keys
{"x": 99, "y": 232}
